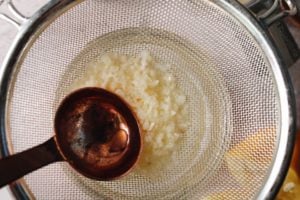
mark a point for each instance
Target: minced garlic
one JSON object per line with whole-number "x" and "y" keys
{"x": 153, "y": 95}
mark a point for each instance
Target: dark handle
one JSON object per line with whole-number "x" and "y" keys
{"x": 276, "y": 28}
{"x": 20, "y": 164}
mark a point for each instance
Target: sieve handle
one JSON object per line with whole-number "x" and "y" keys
{"x": 273, "y": 14}
{"x": 270, "y": 14}
{"x": 11, "y": 14}
{"x": 20, "y": 164}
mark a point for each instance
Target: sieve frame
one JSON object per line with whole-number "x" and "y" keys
{"x": 30, "y": 29}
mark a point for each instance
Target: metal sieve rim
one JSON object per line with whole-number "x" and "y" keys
{"x": 285, "y": 93}
{"x": 31, "y": 29}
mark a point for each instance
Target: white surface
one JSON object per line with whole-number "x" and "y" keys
{"x": 7, "y": 34}
{"x": 5, "y": 194}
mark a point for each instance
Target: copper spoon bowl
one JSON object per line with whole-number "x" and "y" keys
{"x": 96, "y": 132}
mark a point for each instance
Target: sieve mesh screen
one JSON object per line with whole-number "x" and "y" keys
{"x": 231, "y": 94}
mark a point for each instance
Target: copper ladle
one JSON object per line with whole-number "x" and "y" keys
{"x": 95, "y": 132}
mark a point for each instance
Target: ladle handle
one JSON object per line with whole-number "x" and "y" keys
{"x": 20, "y": 164}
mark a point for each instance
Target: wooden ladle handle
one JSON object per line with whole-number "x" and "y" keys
{"x": 15, "y": 166}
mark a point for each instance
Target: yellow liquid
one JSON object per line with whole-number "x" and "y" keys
{"x": 290, "y": 190}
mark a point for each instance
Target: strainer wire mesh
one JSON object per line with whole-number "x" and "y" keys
{"x": 230, "y": 87}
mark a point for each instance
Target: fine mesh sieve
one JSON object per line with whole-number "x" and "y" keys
{"x": 233, "y": 97}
